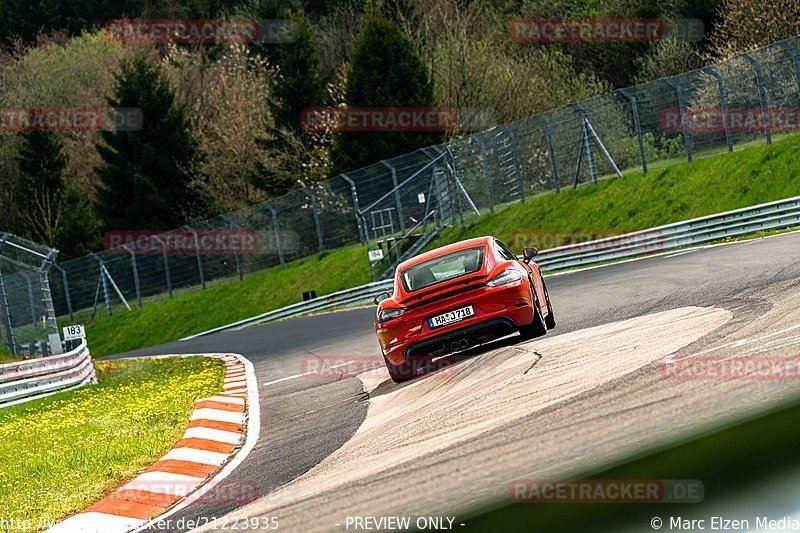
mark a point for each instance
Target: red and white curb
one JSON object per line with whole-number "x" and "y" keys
{"x": 222, "y": 431}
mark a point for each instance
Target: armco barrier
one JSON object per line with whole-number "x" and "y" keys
{"x": 737, "y": 223}
{"x": 27, "y": 380}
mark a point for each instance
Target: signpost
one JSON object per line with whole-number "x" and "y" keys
{"x": 74, "y": 333}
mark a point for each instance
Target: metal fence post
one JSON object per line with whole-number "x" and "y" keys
{"x": 485, "y": 157}
{"x": 517, "y": 168}
{"x": 104, "y": 281}
{"x": 687, "y": 141}
{"x": 199, "y": 258}
{"x": 762, "y": 96}
{"x": 792, "y": 51}
{"x": 6, "y": 314}
{"x": 354, "y": 194}
{"x": 277, "y": 231}
{"x": 135, "y": 272}
{"x": 723, "y": 102}
{"x": 47, "y": 296}
{"x": 31, "y": 300}
{"x": 636, "y": 125}
{"x": 166, "y": 263}
{"x": 315, "y": 209}
{"x": 587, "y": 143}
{"x": 450, "y": 165}
{"x": 237, "y": 261}
{"x": 550, "y": 148}
{"x": 397, "y": 200}
{"x": 66, "y": 291}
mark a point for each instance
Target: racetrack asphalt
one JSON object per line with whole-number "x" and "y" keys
{"x": 307, "y": 419}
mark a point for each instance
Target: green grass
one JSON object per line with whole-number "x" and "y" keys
{"x": 64, "y": 452}
{"x": 726, "y": 461}
{"x": 668, "y": 193}
{"x": 169, "y": 320}
{"x": 8, "y": 358}
{"x": 637, "y": 201}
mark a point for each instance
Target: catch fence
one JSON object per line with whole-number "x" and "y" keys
{"x": 745, "y": 100}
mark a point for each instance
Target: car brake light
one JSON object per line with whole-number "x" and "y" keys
{"x": 509, "y": 276}
{"x": 385, "y": 315}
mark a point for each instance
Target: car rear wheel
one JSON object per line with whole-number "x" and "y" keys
{"x": 399, "y": 373}
{"x": 537, "y": 328}
{"x": 550, "y": 319}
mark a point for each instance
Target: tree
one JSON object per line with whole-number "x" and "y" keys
{"x": 146, "y": 174}
{"x": 748, "y": 24}
{"x": 25, "y": 19}
{"x": 39, "y": 191}
{"x": 386, "y": 72}
{"x": 296, "y": 156}
{"x": 50, "y": 208}
{"x": 227, "y": 102}
{"x": 301, "y": 84}
{"x": 669, "y": 57}
{"x": 79, "y": 74}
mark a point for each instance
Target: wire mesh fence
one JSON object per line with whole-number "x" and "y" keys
{"x": 27, "y": 315}
{"x": 716, "y": 109}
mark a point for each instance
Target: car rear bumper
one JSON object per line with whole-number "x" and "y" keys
{"x": 498, "y": 312}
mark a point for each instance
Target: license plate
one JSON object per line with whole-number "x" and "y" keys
{"x": 453, "y": 316}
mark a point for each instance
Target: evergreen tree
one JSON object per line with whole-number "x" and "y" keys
{"x": 146, "y": 173}
{"x": 51, "y": 209}
{"x": 386, "y": 72}
{"x": 301, "y": 85}
{"x": 40, "y": 187}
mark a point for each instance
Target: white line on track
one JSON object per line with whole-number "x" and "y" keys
{"x": 681, "y": 253}
{"x": 304, "y": 374}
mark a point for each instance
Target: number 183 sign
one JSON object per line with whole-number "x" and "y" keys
{"x": 74, "y": 332}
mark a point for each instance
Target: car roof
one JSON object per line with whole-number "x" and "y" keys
{"x": 444, "y": 250}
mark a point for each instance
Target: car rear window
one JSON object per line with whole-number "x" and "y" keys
{"x": 442, "y": 268}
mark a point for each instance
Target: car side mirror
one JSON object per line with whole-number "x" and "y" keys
{"x": 529, "y": 253}
{"x": 381, "y": 297}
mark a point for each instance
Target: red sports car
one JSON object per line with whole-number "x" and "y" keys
{"x": 458, "y": 296}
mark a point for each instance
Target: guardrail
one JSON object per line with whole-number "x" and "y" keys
{"x": 27, "y": 380}
{"x": 737, "y": 223}
{"x": 356, "y": 295}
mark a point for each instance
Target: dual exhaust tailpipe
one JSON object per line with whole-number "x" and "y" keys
{"x": 460, "y": 344}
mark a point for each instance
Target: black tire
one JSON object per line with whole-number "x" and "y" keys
{"x": 550, "y": 319}
{"x": 399, "y": 373}
{"x": 537, "y": 328}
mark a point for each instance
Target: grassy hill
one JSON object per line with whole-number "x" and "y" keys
{"x": 636, "y": 201}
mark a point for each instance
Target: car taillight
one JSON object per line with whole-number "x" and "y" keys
{"x": 388, "y": 314}
{"x": 509, "y": 276}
